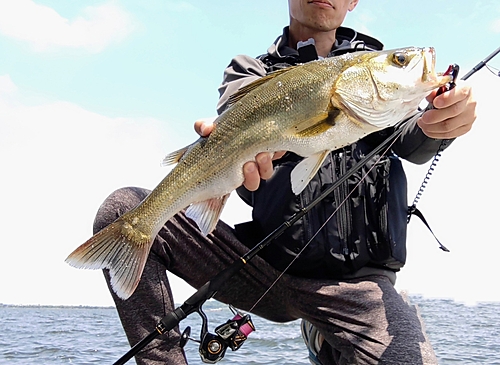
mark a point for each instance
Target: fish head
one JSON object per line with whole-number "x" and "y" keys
{"x": 383, "y": 88}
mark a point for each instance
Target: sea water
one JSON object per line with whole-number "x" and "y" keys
{"x": 460, "y": 334}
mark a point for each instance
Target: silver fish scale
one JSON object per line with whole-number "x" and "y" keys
{"x": 260, "y": 121}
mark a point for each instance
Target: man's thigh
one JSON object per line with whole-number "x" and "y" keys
{"x": 364, "y": 321}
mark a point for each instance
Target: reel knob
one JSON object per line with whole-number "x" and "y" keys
{"x": 185, "y": 337}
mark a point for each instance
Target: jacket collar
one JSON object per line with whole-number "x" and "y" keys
{"x": 347, "y": 40}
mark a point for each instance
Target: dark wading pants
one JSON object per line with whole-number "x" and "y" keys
{"x": 364, "y": 320}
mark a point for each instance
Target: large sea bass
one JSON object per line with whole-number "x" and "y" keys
{"x": 310, "y": 109}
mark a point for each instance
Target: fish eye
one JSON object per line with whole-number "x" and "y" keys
{"x": 399, "y": 58}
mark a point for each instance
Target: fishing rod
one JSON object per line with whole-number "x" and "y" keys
{"x": 235, "y": 331}
{"x": 481, "y": 64}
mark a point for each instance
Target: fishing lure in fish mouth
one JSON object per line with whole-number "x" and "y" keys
{"x": 453, "y": 72}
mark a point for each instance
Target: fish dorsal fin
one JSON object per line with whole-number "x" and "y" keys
{"x": 318, "y": 124}
{"x": 255, "y": 84}
{"x": 174, "y": 157}
{"x": 305, "y": 171}
{"x": 206, "y": 214}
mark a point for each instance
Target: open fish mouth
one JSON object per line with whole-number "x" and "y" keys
{"x": 429, "y": 58}
{"x": 429, "y": 73}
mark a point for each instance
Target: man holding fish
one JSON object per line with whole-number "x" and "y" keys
{"x": 327, "y": 114}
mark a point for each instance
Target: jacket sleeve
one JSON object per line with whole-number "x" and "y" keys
{"x": 241, "y": 71}
{"x": 414, "y": 146}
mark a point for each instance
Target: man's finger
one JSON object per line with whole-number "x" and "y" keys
{"x": 265, "y": 165}
{"x": 204, "y": 126}
{"x": 252, "y": 177}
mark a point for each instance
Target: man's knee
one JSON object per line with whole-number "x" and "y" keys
{"x": 116, "y": 204}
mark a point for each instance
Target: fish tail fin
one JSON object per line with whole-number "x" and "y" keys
{"x": 119, "y": 247}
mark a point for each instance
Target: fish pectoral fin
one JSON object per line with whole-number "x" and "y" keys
{"x": 120, "y": 248}
{"x": 305, "y": 171}
{"x": 316, "y": 125}
{"x": 360, "y": 112}
{"x": 206, "y": 214}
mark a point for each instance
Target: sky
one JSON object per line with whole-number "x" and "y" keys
{"x": 94, "y": 94}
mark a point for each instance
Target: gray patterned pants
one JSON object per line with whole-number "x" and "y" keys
{"x": 363, "y": 320}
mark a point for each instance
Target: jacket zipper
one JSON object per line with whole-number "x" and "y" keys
{"x": 343, "y": 214}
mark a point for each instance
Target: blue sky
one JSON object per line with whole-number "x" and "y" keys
{"x": 93, "y": 94}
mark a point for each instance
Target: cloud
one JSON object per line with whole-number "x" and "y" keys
{"x": 45, "y": 29}
{"x": 7, "y": 87}
{"x": 59, "y": 162}
{"x": 457, "y": 204}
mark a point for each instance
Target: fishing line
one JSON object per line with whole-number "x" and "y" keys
{"x": 328, "y": 219}
{"x": 493, "y": 70}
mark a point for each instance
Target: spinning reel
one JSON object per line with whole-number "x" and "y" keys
{"x": 231, "y": 334}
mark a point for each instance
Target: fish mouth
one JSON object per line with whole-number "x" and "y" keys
{"x": 429, "y": 70}
{"x": 429, "y": 57}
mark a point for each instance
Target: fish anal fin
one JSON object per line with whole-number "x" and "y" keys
{"x": 121, "y": 249}
{"x": 305, "y": 171}
{"x": 206, "y": 214}
{"x": 316, "y": 125}
{"x": 255, "y": 84}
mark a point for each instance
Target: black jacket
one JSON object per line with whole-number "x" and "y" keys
{"x": 369, "y": 228}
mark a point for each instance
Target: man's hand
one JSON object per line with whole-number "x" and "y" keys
{"x": 453, "y": 116}
{"x": 253, "y": 171}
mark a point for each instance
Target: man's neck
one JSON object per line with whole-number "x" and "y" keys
{"x": 324, "y": 40}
